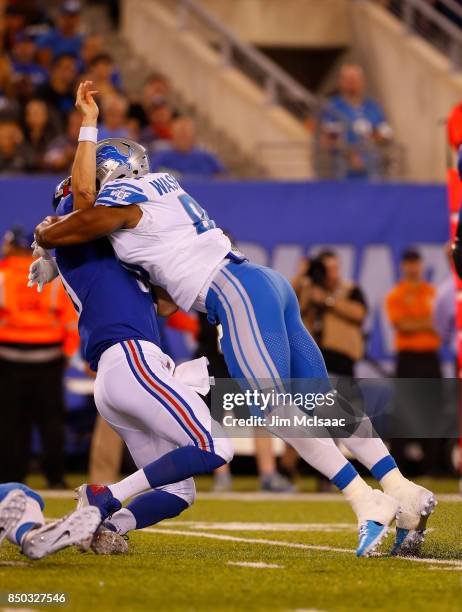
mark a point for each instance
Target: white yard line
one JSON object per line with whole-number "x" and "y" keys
{"x": 446, "y": 569}
{"x": 256, "y": 564}
{"x": 263, "y": 541}
{"x": 14, "y": 563}
{"x": 242, "y": 526}
{"x": 256, "y": 496}
{"x": 15, "y": 609}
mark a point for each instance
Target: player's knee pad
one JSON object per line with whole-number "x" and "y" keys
{"x": 224, "y": 448}
{"x": 186, "y": 489}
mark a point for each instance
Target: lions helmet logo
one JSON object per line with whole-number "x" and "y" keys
{"x": 109, "y": 152}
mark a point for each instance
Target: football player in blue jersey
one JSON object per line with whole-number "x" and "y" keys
{"x": 164, "y": 422}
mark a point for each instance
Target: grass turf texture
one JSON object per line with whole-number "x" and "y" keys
{"x": 181, "y": 572}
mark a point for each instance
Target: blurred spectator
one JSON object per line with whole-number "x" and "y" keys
{"x": 39, "y": 129}
{"x": 60, "y": 153}
{"x": 37, "y": 332}
{"x": 353, "y": 127}
{"x": 156, "y": 90}
{"x": 114, "y": 123}
{"x": 160, "y": 120}
{"x": 14, "y": 21}
{"x": 106, "y": 453}
{"x": 6, "y": 82}
{"x": 184, "y": 157}
{"x": 101, "y": 71}
{"x": 91, "y": 47}
{"x": 65, "y": 38}
{"x": 333, "y": 310}
{"x": 35, "y": 12}
{"x": 445, "y": 310}
{"x": 410, "y": 310}
{"x": 410, "y": 307}
{"x": 24, "y": 62}
{"x": 59, "y": 91}
{"x": 15, "y": 154}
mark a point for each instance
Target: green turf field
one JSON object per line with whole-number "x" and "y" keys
{"x": 250, "y": 552}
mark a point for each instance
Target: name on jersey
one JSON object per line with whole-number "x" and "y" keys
{"x": 165, "y": 184}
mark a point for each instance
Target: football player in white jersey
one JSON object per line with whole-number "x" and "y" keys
{"x": 160, "y": 232}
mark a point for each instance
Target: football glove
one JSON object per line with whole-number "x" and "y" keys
{"x": 42, "y": 271}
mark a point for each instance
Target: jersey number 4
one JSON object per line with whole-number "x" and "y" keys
{"x": 197, "y": 214}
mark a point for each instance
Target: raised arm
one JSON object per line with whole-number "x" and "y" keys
{"x": 85, "y": 225}
{"x": 84, "y": 166}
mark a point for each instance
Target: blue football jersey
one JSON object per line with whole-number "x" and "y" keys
{"x": 112, "y": 304}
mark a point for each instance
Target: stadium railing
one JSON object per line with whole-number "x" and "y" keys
{"x": 441, "y": 27}
{"x": 282, "y": 89}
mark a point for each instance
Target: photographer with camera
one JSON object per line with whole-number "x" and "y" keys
{"x": 333, "y": 310}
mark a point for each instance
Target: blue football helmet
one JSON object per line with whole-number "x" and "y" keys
{"x": 119, "y": 158}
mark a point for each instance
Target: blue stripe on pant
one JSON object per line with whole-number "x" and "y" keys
{"x": 263, "y": 335}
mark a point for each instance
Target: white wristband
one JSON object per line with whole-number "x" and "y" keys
{"x": 88, "y": 134}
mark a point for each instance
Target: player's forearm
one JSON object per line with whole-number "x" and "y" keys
{"x": 84, "y": 172}
{"x": 165, "y": 305}
{"x": 84, "y": 167}
{"x": 78, "y": 227}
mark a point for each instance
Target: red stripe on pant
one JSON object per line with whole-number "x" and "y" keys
{"x": 168, "y": 397}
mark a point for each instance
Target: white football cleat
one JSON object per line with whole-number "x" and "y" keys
{"x": 12, "y": 508}
{"x": 375, "y": 511}
{"x": 73, "y": 529}
{"x": 417, "y": 503}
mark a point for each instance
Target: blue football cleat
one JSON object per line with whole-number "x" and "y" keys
{"x": 99, "y": 496}
{"x": 371, "y": 535}
{"x": 417, "y": 505}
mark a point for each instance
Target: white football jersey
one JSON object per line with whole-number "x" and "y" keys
{"x": 175, "y": 244}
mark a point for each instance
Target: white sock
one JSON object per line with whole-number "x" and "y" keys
{"x": 320, "y": 453}
{"x": 356, "y": 490}
{"x": 392, "y": 480}
{"x": 130, "y": 486}
{"x": 366, "y": 450}
{"x": 33, "y": 516}
{"x": 124, "y": 521}
{"x": 356, "y": 493}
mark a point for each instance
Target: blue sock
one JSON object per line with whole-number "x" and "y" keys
{"x": 343, "y": 478}
{"x": 382, "y": 467}
{"x": 154, "y": 506}
{"x": 180, "y": 464}
{"x": 22, "y": 530}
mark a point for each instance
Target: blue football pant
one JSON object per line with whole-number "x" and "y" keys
{"x": 264, "y": 337}
{"x": 265, "y": 341}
